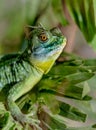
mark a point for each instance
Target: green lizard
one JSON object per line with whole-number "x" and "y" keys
{"x": 19, "y": 73}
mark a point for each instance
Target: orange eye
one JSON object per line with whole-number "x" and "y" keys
{"x": 43, "y": 37}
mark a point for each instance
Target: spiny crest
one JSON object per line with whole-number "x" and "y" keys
{"x": 32, "y": 29}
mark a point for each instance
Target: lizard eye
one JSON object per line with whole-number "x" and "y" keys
{"x": 43, "y": 37}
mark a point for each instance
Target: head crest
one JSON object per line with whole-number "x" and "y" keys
{"x": 35, "y": 27}
{"x": 29, "y": 29}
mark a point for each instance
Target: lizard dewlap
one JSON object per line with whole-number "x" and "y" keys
{"x": 21, "y": 72}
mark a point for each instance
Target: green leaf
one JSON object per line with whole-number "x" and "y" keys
{"x": 65, "y": 79}
{"x": 6, "y": 120}
{"x": 73, "y": 113}
{"x": 81, "y": 128}
{"x": 94, "y": 126}
{"x": 79, "y": 77}
{"x": 58, "y": 9}
{"x": 84, "y": 14}
{"x": 78, "y": 92}
{"x": 64, "y": 89}
{"x": 53, "y": 122}
{"x": 51, "y": 103}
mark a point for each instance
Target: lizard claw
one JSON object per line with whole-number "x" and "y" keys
{"x": 26, "y": 119}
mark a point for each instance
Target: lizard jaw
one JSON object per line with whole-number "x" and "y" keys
{"x": 45, "y": 62}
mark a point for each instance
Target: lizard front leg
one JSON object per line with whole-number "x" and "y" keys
{"x": 17, "y": 91}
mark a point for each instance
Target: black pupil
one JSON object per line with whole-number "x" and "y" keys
{"x": 43, "y": 37}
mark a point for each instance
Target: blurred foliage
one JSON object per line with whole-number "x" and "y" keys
{"x": 84, "y": 14}
{"x": 14, "y": 15}
{"x": 67, "y": 93}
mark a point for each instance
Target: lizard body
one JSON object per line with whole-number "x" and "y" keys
{"x": 21, "y": 72}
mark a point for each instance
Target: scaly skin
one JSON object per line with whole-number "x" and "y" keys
{"x": 21, "y": 72}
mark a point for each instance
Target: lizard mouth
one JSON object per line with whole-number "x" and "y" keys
{"x": 57, "y": 48}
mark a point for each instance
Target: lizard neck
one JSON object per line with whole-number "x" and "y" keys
{"x": 45, "y": 62}
{"x": 44, "y": 66}
{"x": 40, "y": 63}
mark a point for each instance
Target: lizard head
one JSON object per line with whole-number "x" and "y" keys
{"x": 46, "y": 46}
